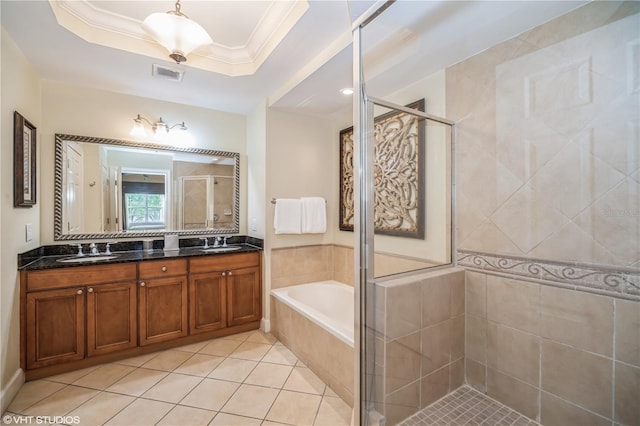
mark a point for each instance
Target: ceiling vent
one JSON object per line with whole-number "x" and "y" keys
{"x": 161, "y": 71}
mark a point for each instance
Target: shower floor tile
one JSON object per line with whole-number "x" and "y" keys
{"x": 467, "y": 406}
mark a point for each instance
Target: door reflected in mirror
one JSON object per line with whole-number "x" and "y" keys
{"x": 108, "y": 188}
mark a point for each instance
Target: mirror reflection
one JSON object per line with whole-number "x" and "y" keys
{"x": 109, "y": 188}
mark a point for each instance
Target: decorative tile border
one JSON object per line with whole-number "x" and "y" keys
{"x": 617, "y": 282}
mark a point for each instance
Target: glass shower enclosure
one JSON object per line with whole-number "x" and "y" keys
{"x": 402, "y": 216}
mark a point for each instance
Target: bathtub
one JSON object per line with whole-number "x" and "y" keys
{"x": 329, "y": 304}
{"x": 315, "y": 321}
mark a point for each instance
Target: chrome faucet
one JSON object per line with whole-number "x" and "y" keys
{"x": 224, "y": 244}
{"x": 94, "y": 249}
{"x": 79, "y": 247}
{"x": 206, "y": 242}
{"x": 216, "y": 242}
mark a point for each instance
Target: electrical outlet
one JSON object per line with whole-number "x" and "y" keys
{"x": 28, "y": 230}
{"x": 254, "y": 224}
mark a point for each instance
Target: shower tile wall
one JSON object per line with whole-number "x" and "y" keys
{"x": 548, "y": 216}
{"x": 557, "y": 355}
{"x": 548, "y": 140}
{"x": 419, "y": 341}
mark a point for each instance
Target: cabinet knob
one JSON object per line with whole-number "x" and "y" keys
{"x": 164, "y": 269}
{"x": 224, "y": 274}
{"x": 142, "y": 284}
{"x": 90, "y": 290}
{"x": 230, "y": 273}
{"x": 79, "y": 292}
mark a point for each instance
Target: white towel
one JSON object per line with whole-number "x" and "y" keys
{"x": 287, "y": 217}
{"x": 314, "y": 215}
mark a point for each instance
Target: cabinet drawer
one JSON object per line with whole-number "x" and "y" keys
{"x": 223, "y": 262}
{"x": 162, "y": 268}
{"x": 81, "y": 275}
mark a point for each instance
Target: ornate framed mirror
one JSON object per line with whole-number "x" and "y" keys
{"x": 110, "y": 188}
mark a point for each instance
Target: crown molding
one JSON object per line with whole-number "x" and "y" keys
{"x": 106, "y": 28}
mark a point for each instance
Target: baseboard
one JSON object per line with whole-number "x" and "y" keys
{"x": 265, "y": 325}
{"x": 11, "y": 390}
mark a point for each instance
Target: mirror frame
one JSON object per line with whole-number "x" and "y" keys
{"x": 57, "y": 216}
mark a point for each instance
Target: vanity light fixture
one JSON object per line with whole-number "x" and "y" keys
{"x": 159, "y": 128}
{"x": 176, "y": 32}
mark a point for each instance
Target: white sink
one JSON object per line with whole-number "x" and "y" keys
{"x": 87, "y": 259}
{"x": 221, "y": 249}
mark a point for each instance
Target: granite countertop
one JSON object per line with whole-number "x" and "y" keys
{"x": 47, "y": 257}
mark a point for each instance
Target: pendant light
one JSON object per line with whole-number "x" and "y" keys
{"x": 176, "y": 32}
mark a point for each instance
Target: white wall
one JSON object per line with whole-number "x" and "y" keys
{"x": 20, "y": 90}
{"x": 92, "y": 112}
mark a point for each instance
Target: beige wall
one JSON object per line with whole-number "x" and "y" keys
{"x": 300, "y": 154}
{"x": 256, "y": 175}
{"x": 436, "y": 245}
{"x": 299, "y": 157}
{"x": 92, "y": 195}
{"x": 20, "y": 90}
{"x": 93, "y": 112}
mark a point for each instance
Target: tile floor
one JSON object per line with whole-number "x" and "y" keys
{"x": 245, "y": 379}
{"x": 467, "y": 406}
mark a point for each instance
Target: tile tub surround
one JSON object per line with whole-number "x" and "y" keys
{"x": 419, "y": 341}
{"x": 246, "y": 379}
{"x": 306, "y": 264}
{"x": 557, "y": 355}
{"x": 328, "y": 357}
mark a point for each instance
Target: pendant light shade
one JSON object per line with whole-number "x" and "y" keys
{"x": 176, "y": 32}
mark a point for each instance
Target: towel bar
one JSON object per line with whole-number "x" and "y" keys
{"x": 273, "y": 200}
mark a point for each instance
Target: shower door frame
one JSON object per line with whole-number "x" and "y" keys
{"x": 364, "y": 140}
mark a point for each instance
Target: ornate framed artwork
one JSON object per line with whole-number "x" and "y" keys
{"x": 24, "y": 162}
{"x": 399, "y": 175}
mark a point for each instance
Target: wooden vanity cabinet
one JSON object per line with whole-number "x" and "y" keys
{"x": 76, "y": 312}
{"x": 80, "y": 316}
{"x": 163, "y": 303}
{"x": 224, "y": 291}
{"x": 55, "y": 327}
{"x": 243, "y": 296}
{"x": 112, "y": 321}
{"x": 207, "y": 302}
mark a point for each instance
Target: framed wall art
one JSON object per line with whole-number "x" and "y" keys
{"x": 24, "y": 162}
{"x": 399, "y": 174}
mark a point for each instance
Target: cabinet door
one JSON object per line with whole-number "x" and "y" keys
{"x": 243, "y": 296}
{"x": 111, "y": 318}
{"x": 163, "y": 309}
{"x": 55, "y": 327}
{"x": 207, "y": 302}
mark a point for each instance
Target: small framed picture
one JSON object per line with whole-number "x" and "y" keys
{"x": 24, "y": 161}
